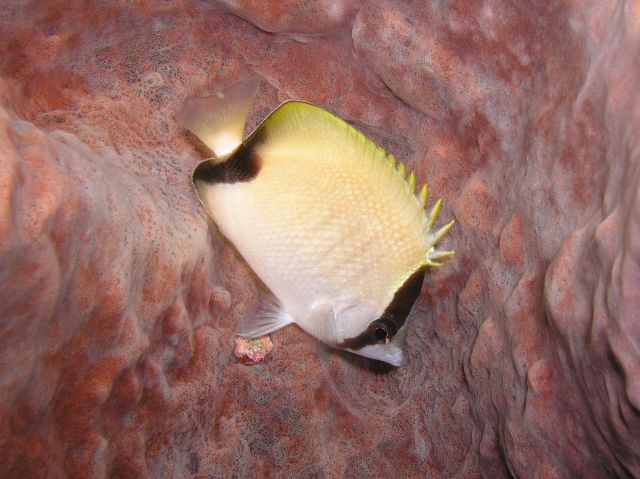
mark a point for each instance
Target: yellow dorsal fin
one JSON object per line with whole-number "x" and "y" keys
{"x": 218, "y": 121}
{"x": 299, "y": 131}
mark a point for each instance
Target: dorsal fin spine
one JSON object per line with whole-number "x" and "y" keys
{"x": 424, "y": 193}
{"x": 412, "y": 182}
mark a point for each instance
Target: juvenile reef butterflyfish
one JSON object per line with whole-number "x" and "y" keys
{"x": 325, "y": 217}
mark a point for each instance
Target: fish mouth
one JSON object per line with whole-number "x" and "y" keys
{"x": 389, "y": 353}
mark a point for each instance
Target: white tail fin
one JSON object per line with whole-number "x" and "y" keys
{"x": 218, "y": 120}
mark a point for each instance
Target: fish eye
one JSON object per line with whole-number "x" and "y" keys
{"x": 383, "y": 330}
{"x": 380, "y": 334}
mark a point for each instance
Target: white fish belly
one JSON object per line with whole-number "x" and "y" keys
{"x": 312, "y": 234}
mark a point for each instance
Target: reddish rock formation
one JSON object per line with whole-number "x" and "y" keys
{"x": 119, "y": 299}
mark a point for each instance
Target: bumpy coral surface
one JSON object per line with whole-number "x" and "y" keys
{"x": 118, "y": 299}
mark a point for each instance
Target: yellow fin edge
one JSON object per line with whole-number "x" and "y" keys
{"x": 433, "y": 238}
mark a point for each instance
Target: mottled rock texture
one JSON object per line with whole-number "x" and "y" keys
{"x": 118, "y": 300}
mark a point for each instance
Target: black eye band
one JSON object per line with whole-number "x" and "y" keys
{"x": 384, "y": 329}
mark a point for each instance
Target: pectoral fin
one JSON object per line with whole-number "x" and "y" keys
{"x": 268, "y": 317}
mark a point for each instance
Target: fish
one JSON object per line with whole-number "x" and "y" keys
{"x": 329, "y": 222}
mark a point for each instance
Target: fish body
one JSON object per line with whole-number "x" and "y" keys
{"x": 323, "y": 216}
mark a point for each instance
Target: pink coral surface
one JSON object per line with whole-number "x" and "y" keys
{"x": 118, "y": 299}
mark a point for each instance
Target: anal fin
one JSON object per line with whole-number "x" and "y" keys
{"x": 269, "y": 316}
